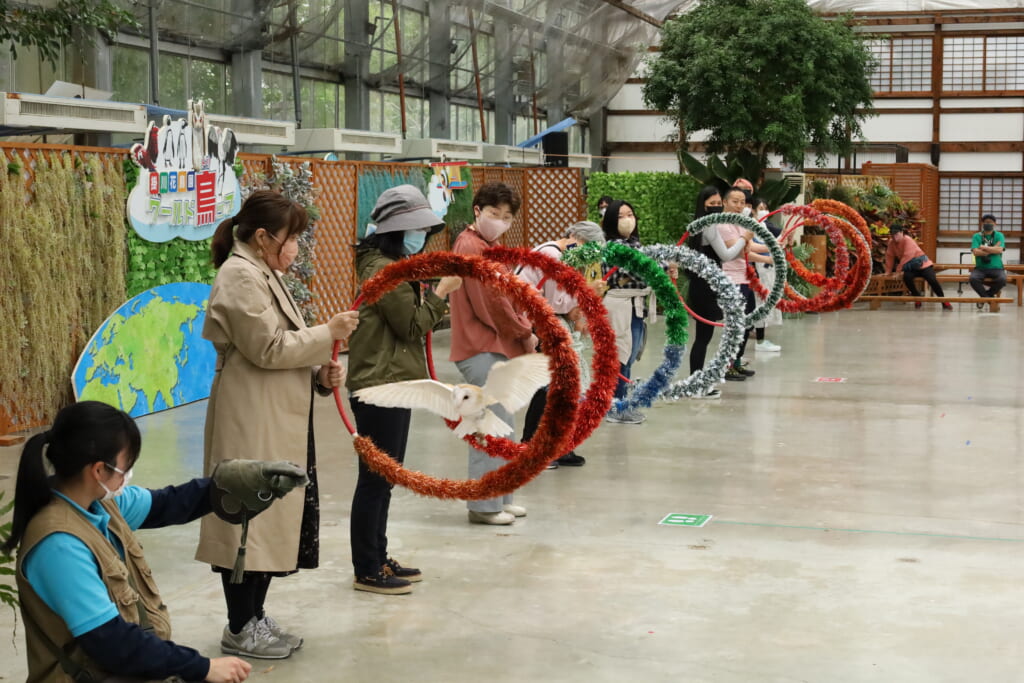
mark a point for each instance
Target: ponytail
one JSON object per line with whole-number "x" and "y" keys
{"x": 223, "y": 241}
{"x": 32, "y": 490}
{"x": 82, "y": 434}
{"x": 265, "y": 209}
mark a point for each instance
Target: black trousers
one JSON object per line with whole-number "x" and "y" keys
{"x": 533, "y": 414}
{"x": 929, "y": 276}
{"x": 699, "y": 347}
{"x": 749, "y": 305}
{"x": 371, "y": 501}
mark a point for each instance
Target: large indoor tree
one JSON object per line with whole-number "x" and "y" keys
{"x": 49, "y": 24}
{"x": 763, "y": 76}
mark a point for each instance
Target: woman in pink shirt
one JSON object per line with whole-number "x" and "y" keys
{"x": 908, "y": 258}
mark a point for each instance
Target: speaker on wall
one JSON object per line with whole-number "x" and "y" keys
{"x": 556, "y": 149}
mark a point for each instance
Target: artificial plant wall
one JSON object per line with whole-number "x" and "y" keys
{"x": 60, "y": 276}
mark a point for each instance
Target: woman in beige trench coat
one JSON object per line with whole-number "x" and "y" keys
{"x": 268, "y": 365}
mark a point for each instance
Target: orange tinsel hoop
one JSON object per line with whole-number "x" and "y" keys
{"x": 551, "y": 438}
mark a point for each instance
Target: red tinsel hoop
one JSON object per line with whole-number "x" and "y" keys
{"x": 605, "y": 364}
{"x": 837, "y": 292}
{"x": 563, "y": 392}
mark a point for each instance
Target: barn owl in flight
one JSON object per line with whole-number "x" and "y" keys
{"x": 510, "y": 384}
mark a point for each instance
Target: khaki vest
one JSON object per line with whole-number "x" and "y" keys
{"x": 129, "y": 582}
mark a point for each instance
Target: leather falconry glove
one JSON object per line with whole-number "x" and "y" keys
{"x": 244, "y": 488}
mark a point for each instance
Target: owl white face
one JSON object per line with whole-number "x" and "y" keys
{"x": 468, "y": 399}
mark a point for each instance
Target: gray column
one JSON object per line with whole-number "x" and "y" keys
{"x": 440, "y": 52}
{"x": 356, "y": 69}
{"x": 247, "y": 83}
{"x": 504, "y": 85}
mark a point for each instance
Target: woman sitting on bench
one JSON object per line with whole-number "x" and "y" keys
{"x": 906, "y": 255}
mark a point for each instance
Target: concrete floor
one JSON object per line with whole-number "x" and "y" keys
{"x": 866, "y": 531}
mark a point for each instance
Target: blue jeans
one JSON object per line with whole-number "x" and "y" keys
{"x": 636, "y": 328}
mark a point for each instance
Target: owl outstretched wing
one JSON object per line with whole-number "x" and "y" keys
{"x": 513, "y": 383}
{"x": 425, "y": 394}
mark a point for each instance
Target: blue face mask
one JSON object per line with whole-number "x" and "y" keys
{"x": 413, "y": 241}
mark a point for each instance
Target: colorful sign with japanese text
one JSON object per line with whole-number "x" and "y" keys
{"x": 187, "y": 183}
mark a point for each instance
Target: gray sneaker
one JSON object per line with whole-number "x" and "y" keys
{"x": 294, "y": 642}
{"x": 255, "y": 640}
{"x": 632, "y": 417}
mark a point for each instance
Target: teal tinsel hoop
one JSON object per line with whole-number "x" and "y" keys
{"x": 643, "y": 393}
{"x": 778, "y": 256}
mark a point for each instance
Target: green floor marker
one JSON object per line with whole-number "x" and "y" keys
{"x": 677, "y": 519}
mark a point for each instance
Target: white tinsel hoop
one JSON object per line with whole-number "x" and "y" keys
{"x": 778, "y": 257}
{"x": 733, "y": 318}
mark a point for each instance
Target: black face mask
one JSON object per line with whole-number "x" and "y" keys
{"x": 988, "y": 227}
{"x": 714, "y": 209}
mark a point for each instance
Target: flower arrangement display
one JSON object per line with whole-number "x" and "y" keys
{"x": 734, "y": 317}
{"x": 551, "y": 439}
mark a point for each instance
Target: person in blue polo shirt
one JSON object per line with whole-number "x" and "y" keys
{"x": 88, "y": 598}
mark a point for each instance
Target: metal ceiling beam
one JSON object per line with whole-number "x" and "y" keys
{"x": 629, "y": 9}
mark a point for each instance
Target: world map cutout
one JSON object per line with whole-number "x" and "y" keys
{"x": 149, "y": 355}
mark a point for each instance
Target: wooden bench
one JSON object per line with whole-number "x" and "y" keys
{"x": 876, "y": 300}
{"x": 880, "y": 284}
{"x": 1011, "y": 278}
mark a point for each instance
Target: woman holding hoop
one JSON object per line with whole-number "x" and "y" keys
{"x": 388, "y": 346}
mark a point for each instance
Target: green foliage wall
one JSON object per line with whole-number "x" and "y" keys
{"x": 151, "y": 264}
{"x": 663, "y": 201}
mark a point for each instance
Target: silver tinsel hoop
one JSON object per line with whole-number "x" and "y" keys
{"x": 734, "y": 321}
{"x": 778, "y": 257}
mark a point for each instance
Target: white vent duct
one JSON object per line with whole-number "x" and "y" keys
{"x": 71, "y": 115}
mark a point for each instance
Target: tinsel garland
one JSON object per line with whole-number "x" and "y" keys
{"x": 846, "y": 212}
{"x": 605, "y": 364}
{"x": 636, "y": 263}
{"x": 838, "y": 292}
{"x": 734, "y": 320}
{"x": 778, "y": 257}
{"x": 550, "y": 440}
{"x": 835, "y": 232}
{"x": 852, "y": 216}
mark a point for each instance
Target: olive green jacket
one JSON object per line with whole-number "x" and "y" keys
{"x": 388, "y": 345}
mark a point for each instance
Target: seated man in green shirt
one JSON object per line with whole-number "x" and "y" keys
{"x": 987, "y": 247}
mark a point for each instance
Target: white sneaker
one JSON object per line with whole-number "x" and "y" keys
{"x": 514, "y": 510}
{"x": 765, "y": 345}
{"x": 496, "y": 518}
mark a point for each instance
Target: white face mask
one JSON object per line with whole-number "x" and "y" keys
{"x": 626, "y": 226}
{"x": 747, "y": 211}
{"x": 602, "y": 210}
{"x": 761, "y": 214}
{"x": 110, "y": 495}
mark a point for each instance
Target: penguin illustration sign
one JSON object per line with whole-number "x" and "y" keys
{"x": 187, "y": 182}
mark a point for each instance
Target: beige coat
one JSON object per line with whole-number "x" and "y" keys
{"x": 260, "y": 401}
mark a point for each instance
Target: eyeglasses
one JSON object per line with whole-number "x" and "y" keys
{"x": 118, "y": 469}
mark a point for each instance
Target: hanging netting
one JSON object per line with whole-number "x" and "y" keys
{"x": 572, "y": 55}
